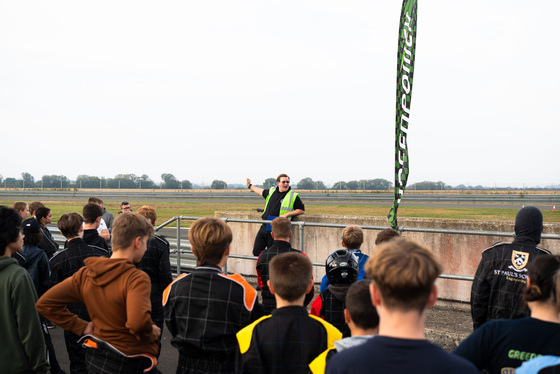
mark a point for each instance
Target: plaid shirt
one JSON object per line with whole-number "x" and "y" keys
{"x": 331, "y": 308}
{"x": 278, "y": 247}
{"x": 205, "y": 309}
{"x": 68, "y": 261}
{"x": 156, "y": 264}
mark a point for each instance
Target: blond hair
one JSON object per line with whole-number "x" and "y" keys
{"x": 353, "y": 237}
{"x": 209, "y": 238}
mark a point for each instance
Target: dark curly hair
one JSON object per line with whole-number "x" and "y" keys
{"x": 542, "y": 272}
{"x": 10, "y": 226}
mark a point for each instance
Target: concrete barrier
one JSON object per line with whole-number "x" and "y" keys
{"x": 460, "y": 254}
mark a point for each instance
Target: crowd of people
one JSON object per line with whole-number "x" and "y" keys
{"x": 111, "y": 289}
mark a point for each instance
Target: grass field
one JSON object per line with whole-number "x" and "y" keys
{"x": 167, "y": 210}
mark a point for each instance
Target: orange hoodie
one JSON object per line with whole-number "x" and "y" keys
{"x": 117, "y": 297}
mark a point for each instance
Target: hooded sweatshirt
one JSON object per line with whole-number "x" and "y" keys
{"x": 21, "y": 338}
{"x": 117, "y": 297}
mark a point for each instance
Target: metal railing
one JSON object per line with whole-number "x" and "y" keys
{"x": 182, "y": 247}
{"x": 301, "y": 226}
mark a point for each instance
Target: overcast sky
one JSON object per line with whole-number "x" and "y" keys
{"x": 233, "y": 89}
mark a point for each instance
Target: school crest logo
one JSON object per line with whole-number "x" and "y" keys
{"x": 519, "y": 259}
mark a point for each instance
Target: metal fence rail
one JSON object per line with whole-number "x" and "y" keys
{"x": 301, "y": 225}
{"x": 181, "y": 247}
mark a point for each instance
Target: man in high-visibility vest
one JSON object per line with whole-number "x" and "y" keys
{"x": 281, "y": 201}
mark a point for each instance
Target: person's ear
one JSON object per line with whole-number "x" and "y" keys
{"x": 272, "y": 234}
{"x": 310, "y": 286}
{"x": 289, "y": 236}
{"x": 98, "y": 219}
{"x": 375, "y": 294}
{"x": 271, "y": 289}
{"x": 347, "y": 316}
{"x": 433, "y": 297}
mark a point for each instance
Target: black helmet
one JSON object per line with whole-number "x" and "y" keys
{"x": 342, "y": 267}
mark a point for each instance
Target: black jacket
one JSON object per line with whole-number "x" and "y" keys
{"x": 502, "y": 272}
{"x": 47, "y": 243}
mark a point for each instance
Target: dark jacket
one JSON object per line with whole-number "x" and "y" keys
{"x": 330, "y": 306}
{"x": 277, "y": 247}
{"x": 91, "y": 237}
{"x": 47, "y": 243}
{"x": 205, "y": 309}
{"x": 502, "y": 273}
{"x": 35, "y": 261}
{"x": 156, "y": 264}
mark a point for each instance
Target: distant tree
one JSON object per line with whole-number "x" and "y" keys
{"x": 54, "y": 181}
{"x": 126, "y": 181}
{"x": 380, "y": 184}
{"x": 28, "y": 180}
{"x": 339, "y": 186}
{"x": 353, "y": 185}
{"x": 145, "y": 182}
{"x": 306, "y": 184}
{"x": 429, "y": 186}
{"x": 12, "y": 182}
{"x": 169, "y": 181}
{"x": 269, "y": 182}
{"x": 218, "y": 185}
{"x": 87, "y": 181}
{"x": 1, "y": 178}
{"x": 186, "y": 185}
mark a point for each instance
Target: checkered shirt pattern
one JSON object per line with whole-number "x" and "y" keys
{"x": 204, "y": 310}
{"x": 278, "y": 247}
{"x": 333, "y": 310}
{"x": 68, "y": 261}
{"x": 156, "y": 264}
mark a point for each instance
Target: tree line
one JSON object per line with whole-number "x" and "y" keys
{"x": 169, "y": 181}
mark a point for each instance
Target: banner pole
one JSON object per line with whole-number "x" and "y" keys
{"x": 405, "y": 72}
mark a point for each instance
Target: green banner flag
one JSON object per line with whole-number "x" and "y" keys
{"x": 405, "y": 72}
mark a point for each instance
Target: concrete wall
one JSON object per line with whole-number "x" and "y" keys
{"x": 460, "y": 254}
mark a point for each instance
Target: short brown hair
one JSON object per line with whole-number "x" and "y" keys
{"x": 359, "y": 305}
{"x": 35, "y": 205}
{"x": 19, "y": 206}
{"x": 148, "y": 212}
{"x": 95, "y": 200}
{"x": 353, "y": 237}
{"x": 209, "y": 238}
{"x": 281, "y": 227}
{"x": 404, "y": 272}
{"x": 128, "y": 227}
{"x": 91, "y": 212}
{"x": 69, "y": 224}
{"x": 386, "y": 235}
{"x": 290, "y": 274}
{"x": 281, "y": 176}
